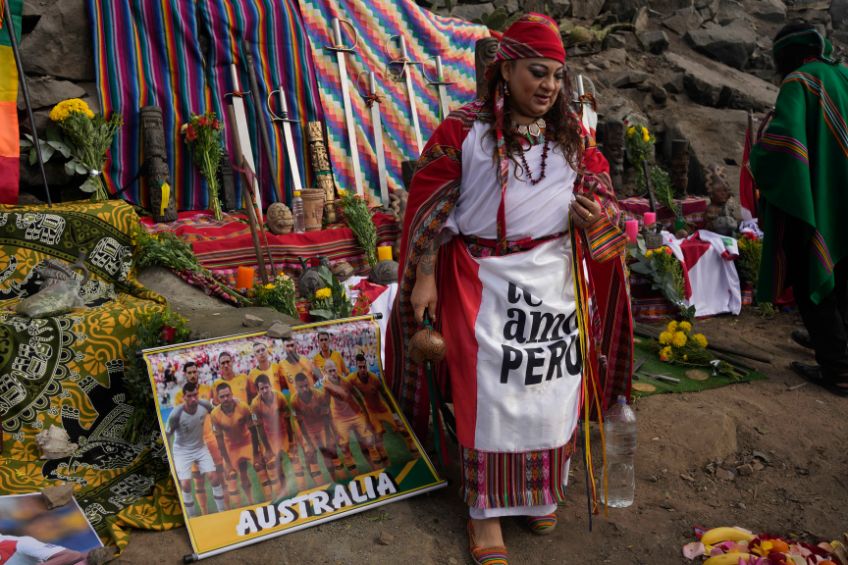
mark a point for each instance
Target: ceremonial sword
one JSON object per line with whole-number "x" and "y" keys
{"x": 373, "y": 101}
{"x": 283, "y": 117}
{"x": 440, "y": 85}
{"x": 243, "y": 137}
{"x": 340, "y": 49}
{"x": 405, "y": 62}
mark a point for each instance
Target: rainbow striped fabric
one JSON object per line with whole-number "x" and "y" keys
{"x": 10, "y": 149}
{"x": 149, "y": 53}
{"x": 427, "y": 35}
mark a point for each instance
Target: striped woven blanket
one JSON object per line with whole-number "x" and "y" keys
{"x": 176, "y": 54}
{"x": 222, "y": 246}
{"x": 9, "y": 146}
{"x": 426, "y": 35}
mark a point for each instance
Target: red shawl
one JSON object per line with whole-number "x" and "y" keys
{"x": 432, "y": 196}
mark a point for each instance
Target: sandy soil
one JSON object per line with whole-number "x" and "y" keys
{"x": 769, "y": 456}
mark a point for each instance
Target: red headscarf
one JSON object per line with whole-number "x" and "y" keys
{"x": 534, "y": 35}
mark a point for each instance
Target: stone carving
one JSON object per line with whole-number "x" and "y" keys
{"x": 484, "y": 53}
{"x": 279, "y": 218}
{"x": 722, "y": 215}
{"x": 321, "y": 168}
{"x": 156, "y": 171}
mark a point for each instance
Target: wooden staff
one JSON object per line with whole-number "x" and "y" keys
{"x": 252, "y": 216}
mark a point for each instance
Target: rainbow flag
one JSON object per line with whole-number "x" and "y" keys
{"x": 10, "y": 149}
{"x": 375, "y": 21}
{"x": 150, "y": 53}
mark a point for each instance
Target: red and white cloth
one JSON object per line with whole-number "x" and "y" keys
{"x": 707, "y": 260}
{"x": 514, "y": 355}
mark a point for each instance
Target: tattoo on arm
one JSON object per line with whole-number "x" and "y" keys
{"x": 427, "y": 262}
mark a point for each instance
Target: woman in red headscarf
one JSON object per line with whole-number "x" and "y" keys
{"x": 486, "y": 250}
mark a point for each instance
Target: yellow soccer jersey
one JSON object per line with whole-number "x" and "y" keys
{"x": 241, "y": 386}
{"x": 289, "y": 370}
{"x": 204, "y": 392}
{"x": 343, "y": 404}
{"x": 314, "y": 413}
{"x": 370, "y": 390}
{"x": 273, "y": 373}
{"x": 335, "y": 357}
{"x": 274, "y": 416}
{"x": 235, "y": 426}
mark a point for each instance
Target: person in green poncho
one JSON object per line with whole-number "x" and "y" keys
{"x": 801, "y": 167}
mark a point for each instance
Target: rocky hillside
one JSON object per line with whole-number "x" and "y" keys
{"x": 689, "y": 69}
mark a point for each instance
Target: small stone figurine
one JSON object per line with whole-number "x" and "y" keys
{"x": 723, "y": 213}
{"x": 279, "y": 217}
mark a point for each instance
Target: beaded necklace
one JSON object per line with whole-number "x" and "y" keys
{"x": 532, "y": 133}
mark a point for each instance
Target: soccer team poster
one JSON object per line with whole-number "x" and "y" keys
{"x": 268, "y": 436}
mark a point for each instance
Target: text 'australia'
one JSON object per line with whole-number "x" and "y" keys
{"x": 358, "y": 491}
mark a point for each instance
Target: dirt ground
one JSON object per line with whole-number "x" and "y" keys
{"x": 769, "y": 456}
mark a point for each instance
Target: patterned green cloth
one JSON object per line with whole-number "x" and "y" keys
{"x": 67, "y": 370}
{"x": 801, "y": 168}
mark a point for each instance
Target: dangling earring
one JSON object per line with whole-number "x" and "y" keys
{"x": 506, "y": 89}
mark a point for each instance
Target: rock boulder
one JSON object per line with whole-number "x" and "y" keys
{"x": 60, "y": 44}
{"x": 731, "y": 45}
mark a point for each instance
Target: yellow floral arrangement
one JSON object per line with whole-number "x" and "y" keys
{"x": 330, "y": 302}
{"x": 80, "y": 136}
{"x": 678, "y": 344}
{"x": 65, "y": 108}
{"x": 279, "y": 295}
{"x": 639, "y": 145}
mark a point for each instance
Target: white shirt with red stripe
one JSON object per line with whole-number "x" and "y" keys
{"x": 25, "y": 550}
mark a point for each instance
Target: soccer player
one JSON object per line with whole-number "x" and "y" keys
{"x": 348, "y": 414}
{"x": 271, "y": 412}
{"x": 377, "y": 404}
{"x": 204, "y": 392}
{"x": 26, "y": 550}
{"x": 326, "y": 354}
{"x": 185, "y": 426}
{"x": 264, "y": 366}
{"x": 240, "y": 385}
{"x": 293, "y": 363}
{"x": 236, "y": 436}
{"x": 312, "y": 411}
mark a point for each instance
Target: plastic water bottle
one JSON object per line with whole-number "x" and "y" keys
{"x": 620, "y": 435}
{"x": 297, "y": 213}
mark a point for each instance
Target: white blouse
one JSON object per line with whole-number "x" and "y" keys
{"x": 531, "y": 211}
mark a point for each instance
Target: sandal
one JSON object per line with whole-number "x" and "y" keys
{"x": 495, "y": 555}
{"x": 813, "y": 374}
{"x": 541, "y": 525}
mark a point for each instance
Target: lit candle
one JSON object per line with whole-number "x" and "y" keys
{"x": 631, "y": 228}
{"x": 384, "y": 253}
{"x": 244, "y": 278}
{"x": 649, "y": 218}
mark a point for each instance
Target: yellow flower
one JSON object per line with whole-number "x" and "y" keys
{"x": 65, "y": 108}
{"x": 665, "y": 338}
{"x": 630, "y": 131}
{"x": 342, "y": 193}
{"x": 269, "y": 286}
{"x": 646, "y": 136}
{"x": 679, "y": 339}
{"x": 665, "y": 354}
{"x": 649, "y": 253}
{"x": 672, "y": 326}
{"x": 322, "y": 293}
{"x": 700, "y": 340}
{"x": 685, "y": 327}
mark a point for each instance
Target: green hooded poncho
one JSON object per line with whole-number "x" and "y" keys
{"x": 801, "y": 168}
